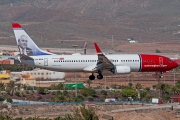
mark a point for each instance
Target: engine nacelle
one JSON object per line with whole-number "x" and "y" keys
{"x": 122, "y": 70}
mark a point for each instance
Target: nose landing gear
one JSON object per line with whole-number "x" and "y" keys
{"x": 159, "y": 76}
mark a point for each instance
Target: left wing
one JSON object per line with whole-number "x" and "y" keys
{"x": 103, "y": 62}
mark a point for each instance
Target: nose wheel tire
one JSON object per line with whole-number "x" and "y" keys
{"x": 161, "y": 76}
{"x": 91, "y": 77}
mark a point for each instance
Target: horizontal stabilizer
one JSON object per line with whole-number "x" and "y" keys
{"x": 25, "y": 57}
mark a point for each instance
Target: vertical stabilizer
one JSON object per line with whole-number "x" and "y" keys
{"x": 25, "y": 44}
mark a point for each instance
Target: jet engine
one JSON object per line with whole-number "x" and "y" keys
{"x": 121, "y": 70}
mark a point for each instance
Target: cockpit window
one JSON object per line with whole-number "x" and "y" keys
{"x": 169, "y": 60}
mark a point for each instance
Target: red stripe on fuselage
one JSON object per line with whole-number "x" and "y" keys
{"x": 153, "y": 63}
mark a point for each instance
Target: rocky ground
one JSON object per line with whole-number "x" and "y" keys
{"x": 51, "y": 111}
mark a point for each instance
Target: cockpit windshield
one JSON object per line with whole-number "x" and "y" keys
{"x": 169, "y": 60}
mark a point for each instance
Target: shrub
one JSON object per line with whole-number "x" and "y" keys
{"x": 46, "y": 91}
{"x": 29, "y": 88}
{"x": 65, "y": 92}
{"x": 9, "y": 100}
{"x": 60, "y": 98}
{"x": 80, "y": 98}
{"x": 157, "y": 51}
{"x": 27, "y": 92}
{"x": 38, "y": 97}
{"x": 58, "y": 92}
{"x": 129, "y": 93}
{"x": 2, "y": 98}
{"x": 147, "y": 88}
{"x": 4, "y": 106}
{"x": 90, "y": 98}
{"x": 53, "y": 93}
{"x": 103, "y": 92}
{"x": 41, "y": 90}
{"x": 17, "y": 93}
{"x": 21, "y": 94}
{"x": 88, "y": 91}
{"x": 84, "y": 113}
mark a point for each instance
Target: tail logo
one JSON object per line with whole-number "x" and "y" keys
{"x": 23, "y": 45}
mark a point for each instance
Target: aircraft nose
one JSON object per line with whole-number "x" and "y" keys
{"x": 175, "y": 64}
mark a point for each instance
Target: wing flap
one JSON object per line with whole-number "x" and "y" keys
{"x": 93, "y": 68}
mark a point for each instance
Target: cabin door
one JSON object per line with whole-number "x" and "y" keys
{"x": 45, "y": 61}
{"x": 160, "y": 60}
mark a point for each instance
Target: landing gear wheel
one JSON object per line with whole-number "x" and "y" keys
{"x": 91, "y": 77}
{"x": 161, "y": 76}
{"x": 100, "y": 76}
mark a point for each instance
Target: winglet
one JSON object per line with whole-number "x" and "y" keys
{"x": 97, "y": 48}
{"x": 16, "y": 25}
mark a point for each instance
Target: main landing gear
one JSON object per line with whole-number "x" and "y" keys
{"x": 91, "y": 77}
{"x": 99, "y": 76}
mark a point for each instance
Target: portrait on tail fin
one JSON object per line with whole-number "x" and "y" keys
{"x": 23, "y": 46}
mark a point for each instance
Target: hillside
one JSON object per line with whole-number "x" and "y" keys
{"x": 55, "y": 21}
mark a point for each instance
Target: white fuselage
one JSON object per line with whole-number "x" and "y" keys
{"x": 77, "y": 63}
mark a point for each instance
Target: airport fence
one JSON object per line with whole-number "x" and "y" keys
{"x": 79, "y": 103}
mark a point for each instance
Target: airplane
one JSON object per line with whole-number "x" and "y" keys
{"x": 95, "y": 64}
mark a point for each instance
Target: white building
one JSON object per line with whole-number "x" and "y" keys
{"x": 40, "y": 74}
{"x": 27, "y": 80}
{"x": 133, "y": 41}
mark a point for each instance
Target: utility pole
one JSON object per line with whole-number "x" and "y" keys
{"x": 41, "y": 40}
{"x": 85, "y": 44}
{"x": 105, "y": 82}
{"x": 112, "y": 44}
{"x": 174, "y": 77}
{"x": 75, "y": 46}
